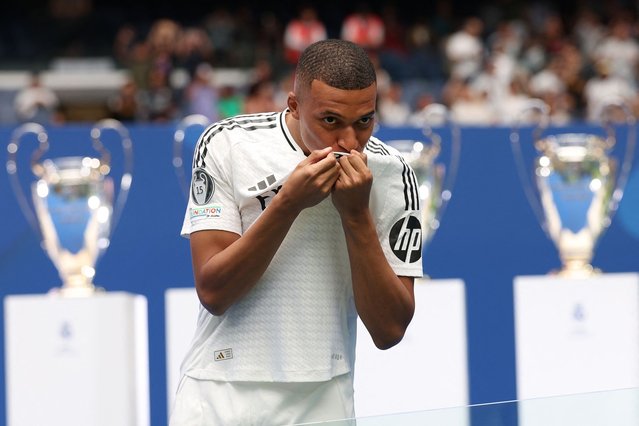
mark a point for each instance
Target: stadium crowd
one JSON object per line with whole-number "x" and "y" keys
{"x": 484, "y": 64}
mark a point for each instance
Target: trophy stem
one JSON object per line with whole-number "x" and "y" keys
{"x": 69, "y": 291}
{"x": 77, "y": 286}
{"x": 577, "y": 268}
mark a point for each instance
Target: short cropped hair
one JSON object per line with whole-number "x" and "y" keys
{"x": 339, "y": 63}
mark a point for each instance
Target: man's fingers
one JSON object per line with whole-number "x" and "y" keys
{"x": 318, "y": 155}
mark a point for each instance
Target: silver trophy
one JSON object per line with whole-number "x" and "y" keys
{"x": 434, "y": 176}
{"x": 192, "y": 125}
{"x": 575, "y": 181}
{"x": 73, "y": 208}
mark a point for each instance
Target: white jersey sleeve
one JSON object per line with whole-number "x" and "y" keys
{"x": 212, "y": 203}
{"x": 395, "y": 204}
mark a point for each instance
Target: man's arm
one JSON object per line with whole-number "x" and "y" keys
{"x": 385, "y": 302}
{"x": 226, "y": 266}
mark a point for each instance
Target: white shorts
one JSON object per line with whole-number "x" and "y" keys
{"x": 211, "y": 402}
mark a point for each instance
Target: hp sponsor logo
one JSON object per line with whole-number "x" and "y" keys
{"x": 406, "y": 239}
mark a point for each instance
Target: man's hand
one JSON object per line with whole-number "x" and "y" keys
{"x": 311, "y": 181}
{"x": 352, "y": 188}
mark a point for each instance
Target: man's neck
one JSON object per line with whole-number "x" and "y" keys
{"x": 294, "y": 128}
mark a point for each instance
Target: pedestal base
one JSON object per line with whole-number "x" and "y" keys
{"x": 181, "y": 311}
{"x": 428, "y": 369}
{"x": 77, "y": 361}
{"x": 576, "y": 335}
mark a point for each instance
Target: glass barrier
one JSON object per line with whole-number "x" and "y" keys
{"x": 607, "y": 408}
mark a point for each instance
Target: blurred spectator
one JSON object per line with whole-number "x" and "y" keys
{"x": 243, "y": 54}
{"x": 364, "y": 27}
{"x": 262, "y": 71}
{"x": 37, "y": 103}
{"x": 260, "y": 98}
{"x": 163, "y": 36}
{"x": 574, "y": 71}
{"x": 514, "y": 103}
{"x": 284, "y": 87}
{"x": 125, "y": 106}
{"x": 552, "y": 32}
{"x": 604, "y": 86}
{"x": 422, "y": 115}
{"x": 424, "y": 57}
{"x": 72, "y": 29}
{"x": 139, "y": 64}
{"x": 394, "y": 31}
{"x": 533, "y": 56}
{"x": 192, "y": 48}
{"x": 230, "y": 102}
{"x": 391, "y": 107}
{"x": 442, "y": 20}
{"x": 550, "y": 88}
{"x": 508, "y": 37}
{"x": 200, "y": 96}
{"x": 469, "y": 106}
{"x": 220, "y": 27}
{"x": 620, "y": 51}
{"x": 302, "y": 31}
{"x": 162, "y": 40}
{"x": 125, "y": 40}
{"x": 158, "y": 101}
{"x": 464, "y": 49}
{"x": 588, "y": 30}
{"x": 269, "y": 43}
{"x": 383, "y": 77}
{"x": 495, "y": 81}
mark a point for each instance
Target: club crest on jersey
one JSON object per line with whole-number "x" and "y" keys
{"x": 202, "y": 187}
{"x": 406, "y": 239}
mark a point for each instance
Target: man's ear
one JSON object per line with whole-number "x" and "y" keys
{"x": 293, "y": 105}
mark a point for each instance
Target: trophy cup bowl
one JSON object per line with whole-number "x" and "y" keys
{"x": 434, "y": 178}
{"x": 576, "y": 185}
{"x": 73, "y": 208}
{"x": 184, "y": 128}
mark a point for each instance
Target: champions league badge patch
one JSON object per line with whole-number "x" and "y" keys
{"x": 202, "y": 187}
{"x": 406, "y": 239}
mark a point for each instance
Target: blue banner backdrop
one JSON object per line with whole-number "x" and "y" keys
{"x": 488, "y": 235}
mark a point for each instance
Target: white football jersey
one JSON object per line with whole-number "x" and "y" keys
{"x": 299, "y": 321}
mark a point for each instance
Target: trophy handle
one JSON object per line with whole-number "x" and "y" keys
{"x": 541, "y": 116}
{"x": 178, "y": 146}
{"x": 105, "y": 161}
{"x": 439, "y": 113}
{"x": 435, "y": 178}
{"x": 610, "y": 106}
{"x": 12, "y": 165}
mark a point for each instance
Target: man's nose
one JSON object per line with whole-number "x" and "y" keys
{"x": 347, "y": 139}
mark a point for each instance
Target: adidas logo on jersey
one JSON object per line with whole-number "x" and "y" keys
{"x": 263, "y": 184}
{"x": 223, "y": 355}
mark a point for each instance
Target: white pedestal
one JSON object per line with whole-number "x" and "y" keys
{"x": 428, "y": 369}
{"x": 181, "y": 311}
{"x": 616, "y": 407}
{"x": 576, "y": 336}
{"x": 77, "y": 361}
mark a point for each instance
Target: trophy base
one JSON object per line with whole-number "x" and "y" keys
{"x": 581, "y": 272}
{"x": 76, "y": 291}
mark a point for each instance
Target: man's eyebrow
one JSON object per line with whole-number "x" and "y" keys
{"x": 338, "y": 115}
